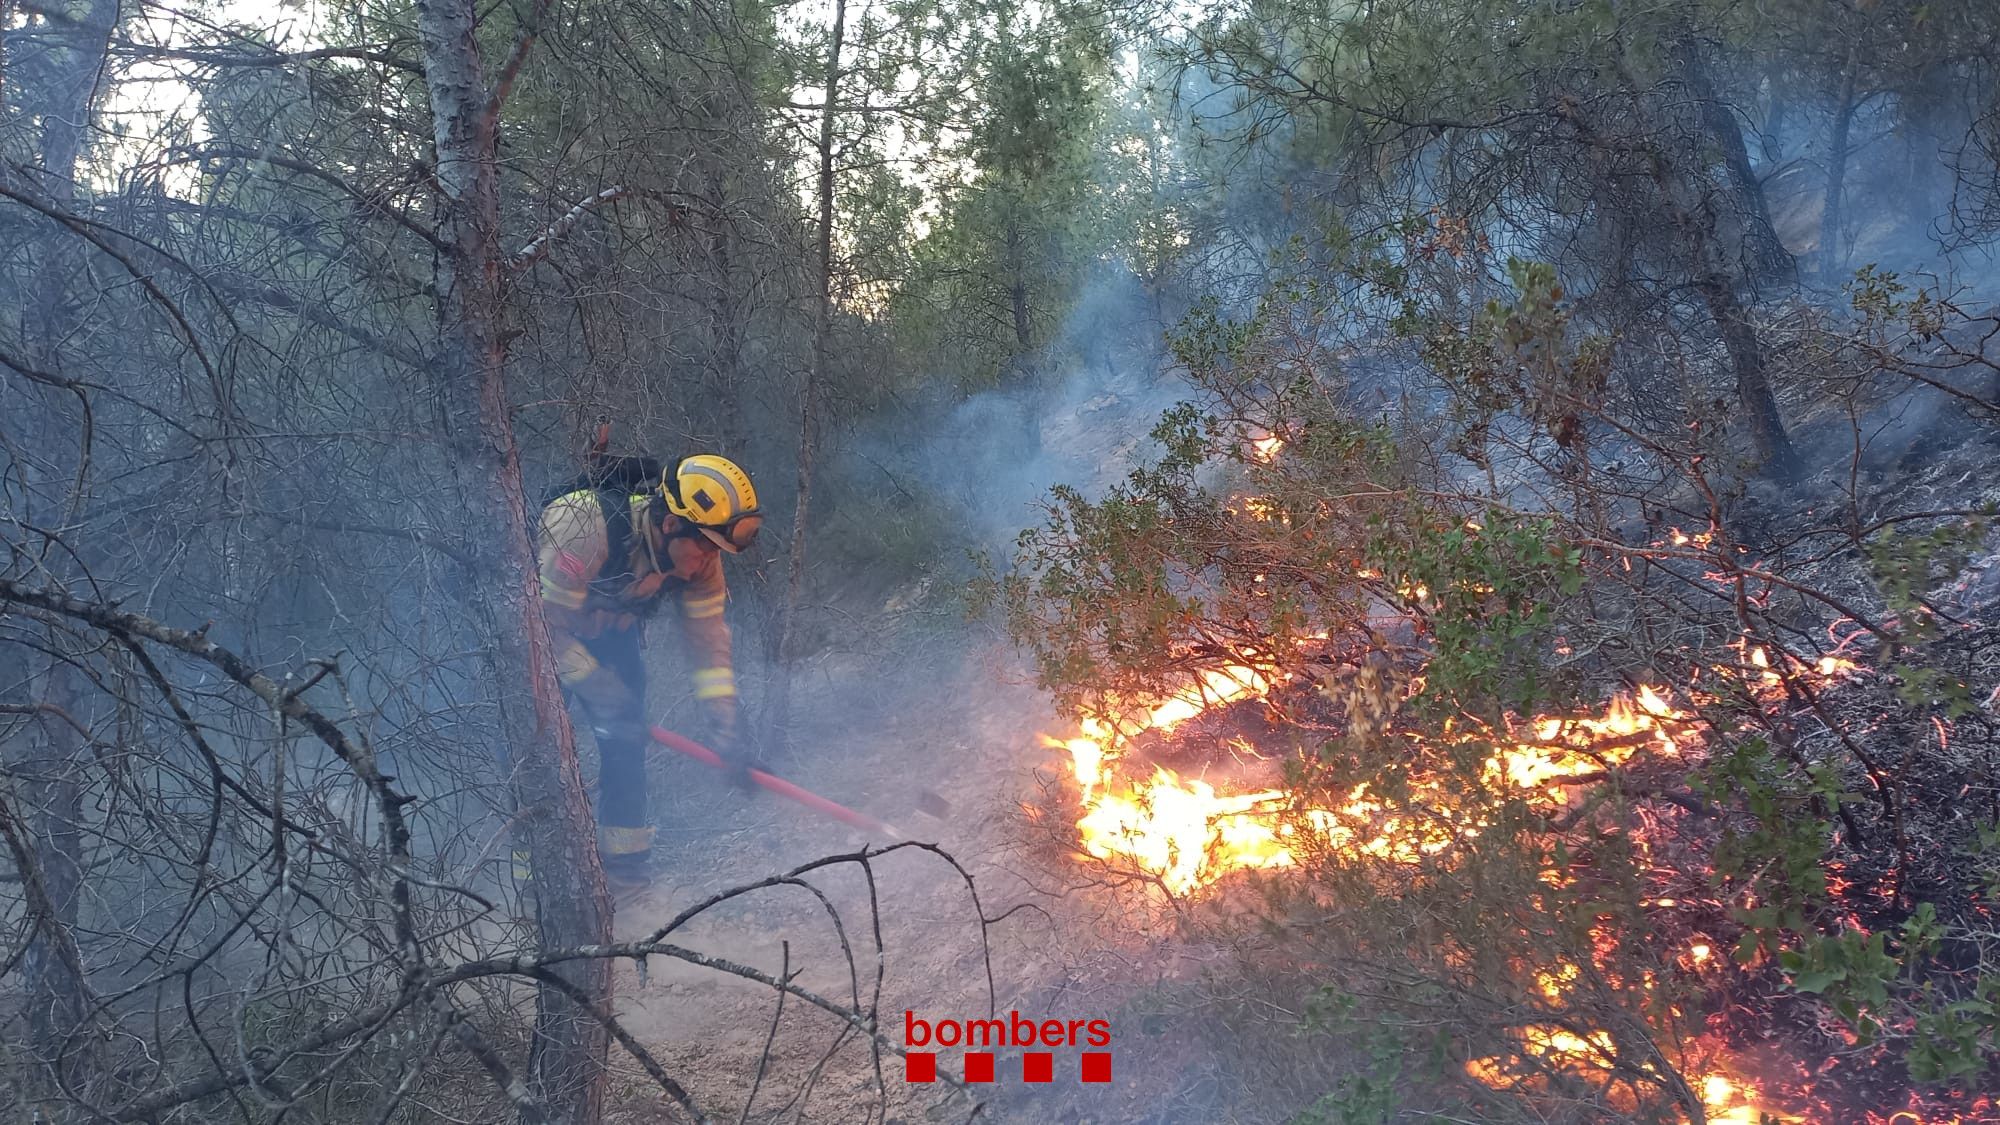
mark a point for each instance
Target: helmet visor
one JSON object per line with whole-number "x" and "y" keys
{"x": 735, "y": 536}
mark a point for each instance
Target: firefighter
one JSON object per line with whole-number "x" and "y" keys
{"x": 612, "y": 550}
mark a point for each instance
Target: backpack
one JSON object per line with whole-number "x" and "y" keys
{"x": 613, "y": 481}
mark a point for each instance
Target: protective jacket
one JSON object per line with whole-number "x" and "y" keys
{"x": 587, "y": 593}
{"x": 594, "y": 603}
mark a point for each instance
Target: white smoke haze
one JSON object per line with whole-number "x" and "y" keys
{"x": 269, "y": 467}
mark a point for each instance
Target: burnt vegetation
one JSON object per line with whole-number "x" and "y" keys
{"x": 1524, "y": 476}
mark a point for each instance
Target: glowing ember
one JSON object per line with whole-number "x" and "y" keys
{"x": 1702, "y": 539}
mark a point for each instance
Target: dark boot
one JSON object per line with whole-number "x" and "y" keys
{"x": 627, "y": 855}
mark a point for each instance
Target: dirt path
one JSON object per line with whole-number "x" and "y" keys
{"x": 974, "y": 745}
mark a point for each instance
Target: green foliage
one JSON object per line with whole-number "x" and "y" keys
{"x": 1868, "y": 980}
{"x": 1372, "y": 1094}
{"x": 1958, "y": 1038}
{"x": 1852, "y": 969}
{"x": 1897, "y": 985}
{"x": 1319, "y": 180}
{"x": 1215, "y": 552}
{"x": 1983, "y": 853}
{"x": 1489, "y": 587}
{"x": 1777, "y": 849}
{"x": 1209, "y": 344}
{"x": 1884, "y": 303}
{"x": 1905, "y": 567}
{"x": 1026, "y": 214}
{"x": 1517, "y": 354}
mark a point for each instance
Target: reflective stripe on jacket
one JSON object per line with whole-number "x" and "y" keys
{"x": 572, "y": 553}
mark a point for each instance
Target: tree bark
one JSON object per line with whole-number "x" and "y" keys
{"x": 788, "y": 631}
{"x": 1775, "y": 454}
{"x": 52, "y": 766}
{"x": 566, "y": 1061}
{"x": 1017, "y": 294}
{"x": 1721, "y": 231}
{"x": 1743, "y": 216}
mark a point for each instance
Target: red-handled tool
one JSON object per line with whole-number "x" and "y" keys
{"x": 776, "y": 784}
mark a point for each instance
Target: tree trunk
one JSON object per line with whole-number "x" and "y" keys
{"x": 566, "y": 1063}
{"x": 1744, "y": 215}
{"x": 1017, "y": 295}
{"x": 52, "y": 781}
{"x": 788, "y": 639}
{"x": 1832, "y": 240}
{"x": 1775, "y": 454}
{"x": 1934, "y": 117}
{"x": 1729, "y": 229}
{"x": 1723, "y": 252}
{"x": 51, "y": 794}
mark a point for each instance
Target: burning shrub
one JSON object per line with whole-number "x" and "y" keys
{"x": 1736, "y": 888}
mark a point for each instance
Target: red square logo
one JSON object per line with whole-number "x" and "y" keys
{"x": 920, "y": 1066}
{"x": 1038, "y": 1066}
{"x": 978, "y": 1066}
{"x": 1097, "y": 1066}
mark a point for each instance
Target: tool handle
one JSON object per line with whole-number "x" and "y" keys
{"x": 688, "y": 746}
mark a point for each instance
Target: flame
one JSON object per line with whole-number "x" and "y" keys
{"x": 1565, "y": 748}
{"x": 1729, "y": 1102}
{"x": 1548, "y": 1044}
{"x": 1171, "y": 827}
{"x": 1166, "y": 825}
{"x": 1187, "y": 833}
{"x": 1767, "y": 678}
{"x": 1701, "y": 539}
{"x": 1266, "y": 449}
{"x": 1544, "y": 1048}
{"x": 1262, "y": 510}
{"x": 1212, "y": 688}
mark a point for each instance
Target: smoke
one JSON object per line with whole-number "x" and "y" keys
{"x": 1908, "y": 198}
{"x": 982, "y": 465}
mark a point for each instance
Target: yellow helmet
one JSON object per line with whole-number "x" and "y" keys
{"x": 716, "y": 497}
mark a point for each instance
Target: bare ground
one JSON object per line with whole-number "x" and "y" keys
{"x": 1068, "y": 939}
{"x": 964, "y": 734}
